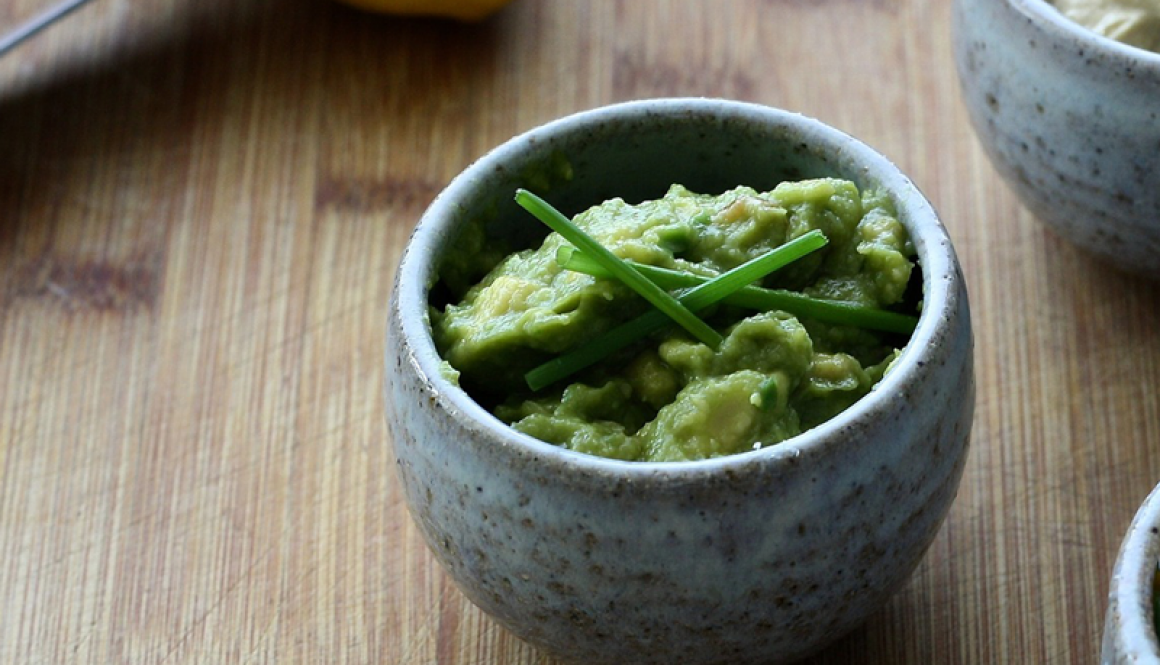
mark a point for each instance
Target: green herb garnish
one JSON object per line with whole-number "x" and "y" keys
{"x": 701, "y": 296}
{"x": 660, "y": 299}
{"x": 773, "y": 393}
{"x": 755, "y": 297}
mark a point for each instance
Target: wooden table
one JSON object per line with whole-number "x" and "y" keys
{"x": 201, "y": 208}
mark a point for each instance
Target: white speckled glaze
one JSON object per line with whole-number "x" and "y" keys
{"x": 762, "y": 557}
{"x": 1128, "y": 633}
{"x": 1071, "y": 120}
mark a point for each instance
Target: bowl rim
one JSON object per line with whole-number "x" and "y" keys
{"x": 1054, "y": 23}
{"x": 1131, "y": 587}
{"x": 942, "y": 288}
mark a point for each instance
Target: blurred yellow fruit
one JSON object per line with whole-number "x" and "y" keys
{"x": 464, "y": 10}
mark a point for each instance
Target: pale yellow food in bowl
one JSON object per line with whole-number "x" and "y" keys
{"x": 1132, "y": 22}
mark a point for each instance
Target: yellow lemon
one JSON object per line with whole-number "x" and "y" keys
{"x": 464, "y": 10}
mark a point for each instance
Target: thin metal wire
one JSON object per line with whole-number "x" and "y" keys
{"x": 38, "y": 23}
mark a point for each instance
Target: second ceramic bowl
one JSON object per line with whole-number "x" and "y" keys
{"x": 1129, "y": 629}
{"x": 1071, "y": 120}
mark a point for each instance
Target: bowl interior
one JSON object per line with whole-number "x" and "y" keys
{"x": 635, "y": 151}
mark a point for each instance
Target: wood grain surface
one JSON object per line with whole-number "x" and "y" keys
{"x": 201, "y": 208}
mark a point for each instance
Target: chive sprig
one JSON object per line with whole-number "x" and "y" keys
{"x": 755, "y": 297}
{"x": 659, "y": 298}
{"x": 702, "y": 295}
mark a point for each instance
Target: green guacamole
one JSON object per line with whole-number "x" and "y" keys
{"x": 672, "y": 398}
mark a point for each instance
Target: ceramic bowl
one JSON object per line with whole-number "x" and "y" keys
{"x": 1071, "y": 120}
{"x": 1129, "y": 635}
{"x": 761, "y": 557}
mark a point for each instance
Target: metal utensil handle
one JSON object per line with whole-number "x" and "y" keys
{"x": 36, "y": 24}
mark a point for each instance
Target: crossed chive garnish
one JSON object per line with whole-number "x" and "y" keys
{"x": 757, "y": 298}
{"x": 632, "y": 278}
{"x": 733, "y": 287}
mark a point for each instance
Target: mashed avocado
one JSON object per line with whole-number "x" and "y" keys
{"x": 673, "y": 398}
{"x": 1133, "y": 22}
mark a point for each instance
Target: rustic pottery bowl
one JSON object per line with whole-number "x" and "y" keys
{"x": 760, "y": 557}
{"x": 1071, "y": 120}
{"x": 1129, "y": 635}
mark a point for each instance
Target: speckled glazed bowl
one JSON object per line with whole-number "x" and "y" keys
{"x": 1129, "y": 636}
{"x": 1071, "y": 120}
{"x": 760, "y": 557}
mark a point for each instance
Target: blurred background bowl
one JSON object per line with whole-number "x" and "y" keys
{"x": 1071, "y": 120}
{"x": 759, "y": 557}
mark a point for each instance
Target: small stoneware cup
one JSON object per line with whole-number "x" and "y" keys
{"x": 1129, "y": 632}
{"x": 1071, "y": 120}
{"x": 762, "y": 557}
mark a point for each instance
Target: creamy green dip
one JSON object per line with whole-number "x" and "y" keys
{"x": 673, "y": 398}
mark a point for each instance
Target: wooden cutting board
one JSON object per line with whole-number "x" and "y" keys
{"x": 201, "y": 207}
